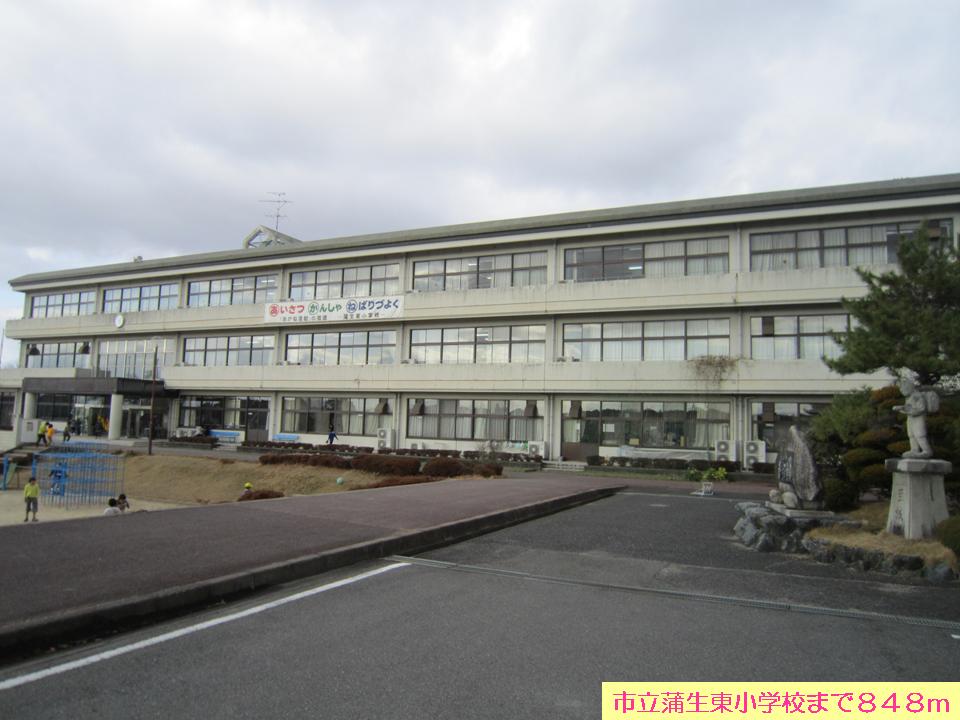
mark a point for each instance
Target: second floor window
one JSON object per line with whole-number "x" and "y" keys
{"x": 141, "y": 299}
{"x": 653, "y": 340}
{"x": 59, "y": 355}
{"x": 375, "y": 347}
{"x": 133, "y": 358}
{"x": 233, "y": 350}
{"x": 232, "y": 291}
{"x": 796, "y": 337}
{"x": 466, "y": 345}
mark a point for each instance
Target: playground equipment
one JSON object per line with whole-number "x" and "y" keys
{"x": 78, "y": 474}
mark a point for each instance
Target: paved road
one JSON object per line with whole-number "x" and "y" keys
{"x": 522, "y": 623}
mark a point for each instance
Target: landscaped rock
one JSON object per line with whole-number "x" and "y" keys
{"x": 940, "y": 573}
{"x": 766, "y": 530}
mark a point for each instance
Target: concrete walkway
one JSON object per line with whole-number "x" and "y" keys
{"x": 79, "y": 577}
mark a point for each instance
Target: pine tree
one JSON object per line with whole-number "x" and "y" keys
{"x": 908, "y": 320}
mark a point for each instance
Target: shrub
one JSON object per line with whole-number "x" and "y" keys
{"x": 714, "y": 474}
{"x": 386, "y": 464}
{"x": 592, "y": 460}
{"x": 840, "y": 494}
{"x": 861, "y": 457}
{"x": 444, "y": 467}
{"x": 260, "y": 495}
{"x": 764, "y": 467}
{"x": 898, "y": 448}
{"x": 879, "y": 438}
{"x": 693, "y": 475}
{"x": 195, "y": 440}
{"x": 487, "y": 469}
{"x": 948, "y": 533}
{"x": 875, "y": 476}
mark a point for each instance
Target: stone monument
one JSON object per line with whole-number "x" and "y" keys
{"x": 918, "y": 502}
{"x": 799, "y": 491}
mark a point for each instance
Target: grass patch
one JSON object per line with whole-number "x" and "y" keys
{"x": 872, "y": 537}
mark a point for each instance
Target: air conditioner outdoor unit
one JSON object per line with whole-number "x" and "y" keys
{"x": 725, "y": 451}
{"x": 385, "y": 438}
{"x": 539, "y": 448}
{"x": 755, "y": 451}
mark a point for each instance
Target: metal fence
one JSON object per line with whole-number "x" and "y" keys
{"x": 73, "y": 475}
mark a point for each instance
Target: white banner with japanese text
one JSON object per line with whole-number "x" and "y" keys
{"x": 334, "y": 310}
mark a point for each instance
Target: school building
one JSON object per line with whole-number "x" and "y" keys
{"x": 688, "y": 329}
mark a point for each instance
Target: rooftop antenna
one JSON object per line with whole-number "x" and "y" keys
{"x": 280, "y": 200}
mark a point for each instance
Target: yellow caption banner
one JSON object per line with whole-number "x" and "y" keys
{"x": 782, "y": 700}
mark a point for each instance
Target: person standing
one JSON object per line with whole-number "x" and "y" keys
{"x": 42, "y": 433}
{"x": 50, "y": 432}
{"x": 331, "y": 436}
{"x": 31, "y": 496}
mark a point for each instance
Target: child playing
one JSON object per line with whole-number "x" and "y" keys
{"x": 31, "y": 496}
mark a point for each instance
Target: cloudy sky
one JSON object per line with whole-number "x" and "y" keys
{"x": 155, "y": 128}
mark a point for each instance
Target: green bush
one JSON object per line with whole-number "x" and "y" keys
{"x": 875, "y": 476}
{"x": 879, "y": 438}
{"x": 861, "y": 457}
{"x": 948, "y": 533}
{"x": 594, "y": 460}
{"x": 840, "y": 494}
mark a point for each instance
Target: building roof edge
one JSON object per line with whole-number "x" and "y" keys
{"x": 780, "y": 199}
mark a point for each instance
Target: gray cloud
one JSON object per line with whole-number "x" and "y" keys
{"x": 153, "y": 128}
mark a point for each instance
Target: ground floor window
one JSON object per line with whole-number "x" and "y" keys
{"x": 342, "y": 415}
{"x": 651, "y": 424}
{"x": 54, "y": 406}
{"x": 509, "y": 420}
{"x": 772, "y": 420}
{"x": 223, "y": 413}
{"x": 7, "y": 401}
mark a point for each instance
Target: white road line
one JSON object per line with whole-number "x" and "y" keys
{"x": 83, "y": 662}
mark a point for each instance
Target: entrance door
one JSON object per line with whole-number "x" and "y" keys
{"x": 256, "y": 420}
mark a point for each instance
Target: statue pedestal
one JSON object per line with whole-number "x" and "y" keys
{"x": 917, "y": 503}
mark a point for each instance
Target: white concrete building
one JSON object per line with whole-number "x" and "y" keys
{"x": 658, "y": 329}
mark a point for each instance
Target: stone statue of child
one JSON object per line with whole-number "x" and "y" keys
{"x": 919, "y": 403}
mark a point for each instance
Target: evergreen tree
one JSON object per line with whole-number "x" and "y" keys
{"x": 908, "y": 319}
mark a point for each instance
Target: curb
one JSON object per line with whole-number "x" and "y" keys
{"x": 87, "y": 622}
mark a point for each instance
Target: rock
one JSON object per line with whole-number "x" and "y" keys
{"x": 749, "y": 534}
{"x": 765, "y": 543}
{"x": 792, "y": 543}
{"x": 775, "y": 523}
{"x": 909, "y": 563}
{"x": 940, "y": 574}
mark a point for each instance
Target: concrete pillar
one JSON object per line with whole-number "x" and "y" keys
{"x": 29, "y": 406}
{"x": 918, "y": 502}
{"x": 116, "y": 416}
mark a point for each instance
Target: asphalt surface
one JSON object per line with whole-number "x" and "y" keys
{"x": 521, "y": 623}
{"x": 87, "y": 575}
